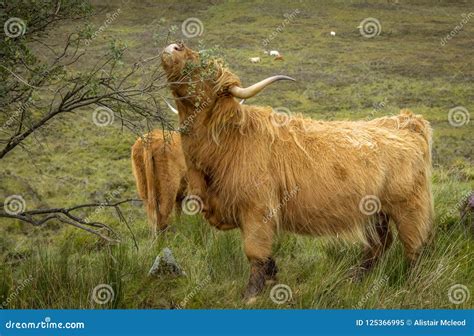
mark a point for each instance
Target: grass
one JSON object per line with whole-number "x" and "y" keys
{"x": 342, "y": 77}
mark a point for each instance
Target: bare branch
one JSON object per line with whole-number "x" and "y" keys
{"x": 39, "y": 217}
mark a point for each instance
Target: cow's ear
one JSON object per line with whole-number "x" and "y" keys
{"x": 225, "y": 81}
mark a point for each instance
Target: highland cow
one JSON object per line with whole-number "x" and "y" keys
{"x": 159, "y": 169}
{"x": 160, "y": 175}
{"x": 350, "y": 177}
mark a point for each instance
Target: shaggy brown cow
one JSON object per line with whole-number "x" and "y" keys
{"x": 159, "y": 169}
{"x": 312, "y": 177}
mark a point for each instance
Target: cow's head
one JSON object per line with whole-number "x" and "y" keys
{"x": 200, "y": 82}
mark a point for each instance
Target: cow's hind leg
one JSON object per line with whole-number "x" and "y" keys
{"x": 180, "y": 196}
{"x": 167, "y": 202}
{"x": 378, "y": 244}
{"x": 167, "y": 196}
{"x": 379, "y": 241}
{"x": 414, "y": 225}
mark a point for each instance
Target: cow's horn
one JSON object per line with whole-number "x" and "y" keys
{"x": 251, "y": 91}
{"x": 170, "y": 106}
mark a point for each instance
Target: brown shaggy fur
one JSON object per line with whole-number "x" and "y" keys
{"x": 303, "y": 176}
{"x": 159, "y": 169}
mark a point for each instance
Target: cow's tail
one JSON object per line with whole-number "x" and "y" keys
{"x": 416, "y": 123}
{"x": 138, "y": 169}
{"x": 152, "y": 204}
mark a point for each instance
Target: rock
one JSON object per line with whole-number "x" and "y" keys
{"x": 165, "y": 265}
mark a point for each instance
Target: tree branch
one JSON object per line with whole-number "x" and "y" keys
{"x": 40, "y": 217}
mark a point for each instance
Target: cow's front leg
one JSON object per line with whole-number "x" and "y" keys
{"x": 271, "y": 271}
{"x": 196, "y": 183}
{"x": 215, "y": 217}
{"x": 258, "y": 240}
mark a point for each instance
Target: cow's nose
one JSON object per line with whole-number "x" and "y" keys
{"x": 171, "y": 48}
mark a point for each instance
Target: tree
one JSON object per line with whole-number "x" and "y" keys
{"x": 34, "y": 89}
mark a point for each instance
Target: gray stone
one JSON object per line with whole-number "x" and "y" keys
{"x": 165, "y": 265}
